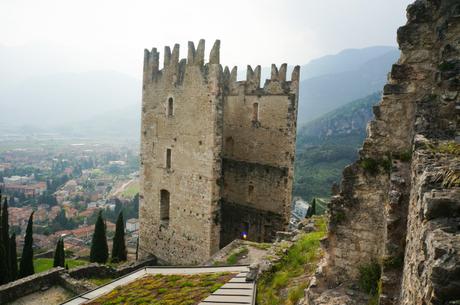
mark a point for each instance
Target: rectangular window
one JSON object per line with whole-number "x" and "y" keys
{"x": 255, "y": 112}
{"x": 170, "y": 107}
{"x": 168, "y": 158}
{"x": 164, "y": 207}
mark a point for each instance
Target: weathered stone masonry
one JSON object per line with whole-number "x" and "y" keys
{"x": 217, "y": 154}
{"x": 394, "y": 207}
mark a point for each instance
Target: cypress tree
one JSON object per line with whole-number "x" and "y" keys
{"x": 5, "y": 238}
{"x": 119, "y": 252}
{"x": 26, "y": 266}
{"x": 137, "y": 248}
{"x": 99, "y": 250}
{"x": 57, "y": 260}
{"x": 3, "y": 268}
{"x": 13, "y": 258}
{"x": 62, "y": 254}
{"x": 4, "y": 278}
{"x": 313, "y": 207}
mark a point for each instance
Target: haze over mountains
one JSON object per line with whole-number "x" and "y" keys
{"x": 51, "y": 92}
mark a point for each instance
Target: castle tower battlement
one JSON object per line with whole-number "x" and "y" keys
{"x": 216, "y": 154}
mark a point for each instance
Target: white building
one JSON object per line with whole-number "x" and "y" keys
{"x": 301, "y": 208}
{"x": 132, "y": 225}
{"x": 18, "y": 180}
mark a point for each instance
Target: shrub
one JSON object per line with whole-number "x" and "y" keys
{"x": 370, "y": 165}
{"x": 369, "y": 276}
{"x": 405, "y": 156}
{"x": 338, "y": 217}
{"x": 393, "y": 262}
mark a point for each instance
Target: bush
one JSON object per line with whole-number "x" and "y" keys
{"x": 369, "y": 277}
{"x": 370, "y": 165}
{"x": 393, "y": 262}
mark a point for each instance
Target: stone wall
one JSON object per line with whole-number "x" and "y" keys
{"x": 251, "y": 169}
{"x": 19, "y": 288}
{"x": 259, "y": 148}
{"x": 192, "y": 131}
{"x": 96, "y": 270}
{"x": 390, "y": 210}
{"x": 432, "y": 261}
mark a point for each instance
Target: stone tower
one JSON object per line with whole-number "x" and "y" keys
{"x": 217, "y": 154}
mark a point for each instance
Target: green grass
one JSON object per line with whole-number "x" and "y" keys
{"x": 100, "y": 281}
{"x": 166, "y": 289}
{"x": 131, "y": 190}
{"x": 234, "y": 257}
{"x": 369, "y": 277}
{"x": 260, "y": 246}
{"x": 451, "y": 148}
{"x": 290, "y": 274}
{"x": 43, "y": 264}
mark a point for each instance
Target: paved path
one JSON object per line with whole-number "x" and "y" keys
{"x": 235, "y": 292}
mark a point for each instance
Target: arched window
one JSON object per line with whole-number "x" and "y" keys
{"x": 164, "y": 207}
{"x": 255, "y": 112}
{"x": 170, "y": 107}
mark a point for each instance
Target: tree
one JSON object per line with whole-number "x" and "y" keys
{"x": 5, "y": 238}
{"x": 119, "y": 252}
{"x": 99, "y": 250}
{"x": 13, "y": 258}
{"x": 313, "y": 207}
{"x": 137, "y": 248}
{"x": 4, "y": 278}
{"x": 59, "y": 254}
{"x": 4, "y": 257}
{"x": 26, "y": 266}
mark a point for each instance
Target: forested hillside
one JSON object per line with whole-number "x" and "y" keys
{"x": 327, "y": 144}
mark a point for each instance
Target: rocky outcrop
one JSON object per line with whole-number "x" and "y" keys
{"x": 398, "y": 206}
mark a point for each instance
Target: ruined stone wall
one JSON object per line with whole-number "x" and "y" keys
{"x": 390, "y": 210}
{"x": 432, "y": 259}
{"x": 259, "y": 148}
{"x": 193, "y": 132}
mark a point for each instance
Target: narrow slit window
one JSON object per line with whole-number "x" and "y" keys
{"x": 168, "y": 158}
{"x": 170, "y": 107}
{"x": 164, "y": 207}
{"x": 250, "y": 191}
{"x": 255, "y": 112}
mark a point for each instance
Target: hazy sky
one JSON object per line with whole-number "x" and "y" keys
{"x": 100, "y": 34}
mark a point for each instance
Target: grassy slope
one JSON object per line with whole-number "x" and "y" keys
{"x": 288, "y": 279}
{"x": 43, "y": 264}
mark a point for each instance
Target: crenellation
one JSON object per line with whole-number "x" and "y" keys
{"x": 191, "y": 53}
{"x": 199, "y": 54}
{"x": 214, "y": 55}
{"x": 282, "y": 72}
{"x": 167, "y": 57}
{"x": 174, "y": 57}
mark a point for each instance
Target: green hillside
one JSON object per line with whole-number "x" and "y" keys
{"x": 326, "y": 145}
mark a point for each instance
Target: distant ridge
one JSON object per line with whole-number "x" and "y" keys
{"x": 334, "y": 80}
{"x": 327, "y": 144}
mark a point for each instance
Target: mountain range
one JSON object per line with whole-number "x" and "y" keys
{"x": 41, "y": 93}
